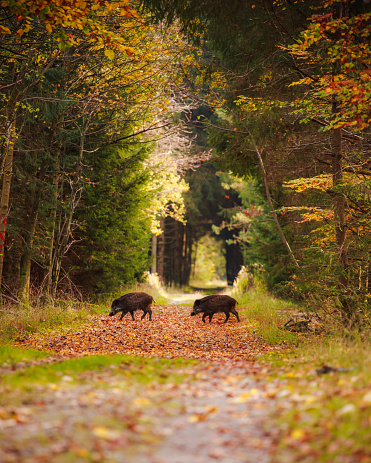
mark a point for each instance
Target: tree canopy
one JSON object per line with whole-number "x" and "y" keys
{"x": 117, "y": 117}
{"x": 297, "y": 115}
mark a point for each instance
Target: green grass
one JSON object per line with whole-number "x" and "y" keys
{"x": 138, "y": 369}
{"x": 267, "y": 315}
{"x": 45, "y": 314}
{"x": 325, "y": 417}
{"x": 135, "y": 381}
{"x": 10, "y": 355}
{"x": 18, "y": 321}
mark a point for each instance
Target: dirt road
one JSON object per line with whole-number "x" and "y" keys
{"x": 219, "y": 410}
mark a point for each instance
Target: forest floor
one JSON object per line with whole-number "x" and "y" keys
{"x": 174, "y": 390}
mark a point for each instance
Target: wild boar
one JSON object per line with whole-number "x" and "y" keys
{"x": 131, "y": 302}
{"x": 209, "y": 305}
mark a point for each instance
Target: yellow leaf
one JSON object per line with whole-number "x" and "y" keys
{"x": 140, "y": 402}
{"x": 49, "y": 27}
{"x": 242, "y": 398}
{"x": 211, "y": 409}
{"x": 297, "y": 434}
{"x": 194, "y": 418}
{"x": 110, "y": 54}
{"x": 310, "y": 399}
{"x": 5, "y": 29}
{"x": 82, "y": 452}
{"x": 105, "y": 433}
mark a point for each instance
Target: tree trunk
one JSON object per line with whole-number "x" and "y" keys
{"x": 62, "y": 245}
{"x": 177, "y": 249}
{"x": 184, "y": 279}
{"x": 62, "y": 242}
{"x": 5, "y": 193}
{"x": 269, "y": 199}
{"x": 28, "y": 233}
{"x": 53, "y": 224}
{"x": 170, "y": 251}
{"x": 339, "y": 213}
{"x": 233, "y": 258}
{"x": 25, "y": 269}
{"x": 154, "y": 254}
{"x": 339, "y": 204}
{"x": 161, "y": 251}
{"x": 188, "y": 253}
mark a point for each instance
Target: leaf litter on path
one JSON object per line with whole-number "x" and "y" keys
{"x": 218, "y": 412}
{"x": 172, "y": 333}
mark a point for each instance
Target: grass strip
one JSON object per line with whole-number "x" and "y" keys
{"x": 323, "y": 417}
{"x": 139, "y": 369}
{"x": 267, "y": 315}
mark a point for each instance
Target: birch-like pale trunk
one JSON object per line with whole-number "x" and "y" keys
{"x": 28, "y": 233}
{"x": 269, "y": 199}
{"x": 53, "y": 225}
{"x": 62, "y": 245}
{"x": 5, "y": 193}
{"x": 25, "y": 265}
{"x": 339, "y": 214}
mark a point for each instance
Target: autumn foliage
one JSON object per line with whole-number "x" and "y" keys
{"x": 66, "y": 16}
{"x": 172, "y": 333}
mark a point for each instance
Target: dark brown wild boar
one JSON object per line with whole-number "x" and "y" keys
{"x": 131, "y": 302}
{"x": 209, "y": 305}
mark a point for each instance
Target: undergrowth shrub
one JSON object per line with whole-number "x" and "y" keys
{"x": 151, "y": 284}
{"x": 18, "y": 320}
{"x": 45, "y": 313}
{"x": 154, "y": 286}
{"x": 266, "y": 314}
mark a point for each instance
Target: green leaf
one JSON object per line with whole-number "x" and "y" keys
{"x": 110, "y": 54}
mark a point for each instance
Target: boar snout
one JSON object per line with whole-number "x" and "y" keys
{"x": 196, "y": 308}
{"x": 114, "y": 308}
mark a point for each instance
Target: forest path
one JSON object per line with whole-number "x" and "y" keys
{"x": 183, "y": 298}
{"x": 218, "y": 410}
{"x": 171, "y": 333}
{"x": 223, "y": 416}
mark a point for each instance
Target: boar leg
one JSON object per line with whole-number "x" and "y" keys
{"x": 145, "y": 311}
{"x": 235, "y": 313}
{"x": 123, "y": 313}
{"x": 210, "y": 317}
{"x": 132, "y": 314}
{"x": 204, "y": 316}
{"x": 226, "y": 317}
